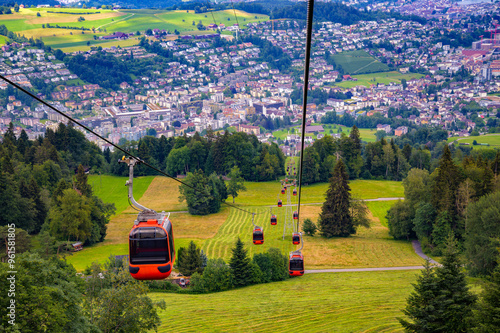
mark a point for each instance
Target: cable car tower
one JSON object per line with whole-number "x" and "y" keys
{"x": 286, "y": 185}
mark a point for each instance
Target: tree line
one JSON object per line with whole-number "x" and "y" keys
{"x": 458, "y": 198}
{"x": 45, "y": 190}
{"x": 217, "y": 153}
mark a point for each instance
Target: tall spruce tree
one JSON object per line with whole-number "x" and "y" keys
{"x": 422, "y": 303}
{"x": 241, "y": 270}
{"x": 335, "y": 218}
{"x": 191, "y": 260}
{"x": 81, "y": 182}
{"x": 487, "y": 316}
{"x": 441, "y": 301}
{"x": 446, "y": 184}
{"x": 455, "y": 299}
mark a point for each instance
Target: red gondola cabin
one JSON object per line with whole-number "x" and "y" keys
{"x": 296, "y": 264}
{"x": 283, "y": 190}
{"x": 296, "y": 238}
{"x": 280, "y": 204}
{"x": 295, "y": 215}
{"x": 258, "y": 236}
{"x": 151, "y": 249}
{"x": 274, "y": 220}
{"x": 294, "y": 192}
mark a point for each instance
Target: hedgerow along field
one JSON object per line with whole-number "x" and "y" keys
{"x": 216, "y": 233}
{"x": 359, "y": 62}
{"x": 340, "y": 302}
{"x": 105, "y": 22}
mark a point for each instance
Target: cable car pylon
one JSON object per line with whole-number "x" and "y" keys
{"x": 288, "y": 226}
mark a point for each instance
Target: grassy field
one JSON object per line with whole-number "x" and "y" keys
{"x": 359, "y": 62}
{"x": 217, "y": 233}
{"x": 368, "y": 248}
{"x": 492, "y": 139}
{"x": 113, "y": 189}
{"x": 108, "y": 21}
{"x": 3, "y": 40}
{"x": 383, "y": 78}
{"x": 366, "y": 134}
{"x": 342, "y": 302}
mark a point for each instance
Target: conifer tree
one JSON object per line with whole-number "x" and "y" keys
{"x": 422, "y": 303}
{"x": 241, "y": 269}
{"x": 446, "y": 184}
{"x": 81, "y": 182}
{"x": 455, "y": 299}
{"x": 487, "y": 316}
{"x": 335, "y": 218}
{"x": 191, "y": 260}
{"x": 441, "y": 301}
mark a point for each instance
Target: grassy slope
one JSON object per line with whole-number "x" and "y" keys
{"x": 374, "y": 78}
{"x": 344, "y": 302}
{"x": 357, "y": 62}
{"x": 368, "y": 248}
{"x": 366, "y": 134}
{"x": 28, "y": 24}
{"x": 492, "y": 139}
{"x": 216, "y": 233}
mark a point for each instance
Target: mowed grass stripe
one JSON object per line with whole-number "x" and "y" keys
{"x": 341, "y": 302}
{"x": 239, "y": 224}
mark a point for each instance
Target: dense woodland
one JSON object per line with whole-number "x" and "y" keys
{"x": 44, "y": 187}
{"x": 460, "y": 197}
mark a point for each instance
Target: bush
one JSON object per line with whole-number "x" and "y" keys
{"x": 309, "y": 227}
{"x": 272, "y": 264}
{"x": 216, "y": 277}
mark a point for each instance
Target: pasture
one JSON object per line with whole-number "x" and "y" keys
{"x": 217, "y": 233}
{"x": 359, "y": 62}
{"x": 366, "y": 134}
{"x": 492, "y": 139}
{"x": 104, "y": 22}
{"x": 341, "y": 302}
{"x": 383, "y": 78}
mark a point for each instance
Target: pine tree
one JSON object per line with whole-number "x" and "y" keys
{"x": 241, "y": 270}
{"x": 446, "y": 184}
{"x": 191, "y": 260}
{"x": 455, "y": 299}
{"x": 487, "y": 316}
{"x": 441, "y": 301}
{"x": 81, "y": 182}
{"x": 356, "y": 139}
{"x": 335, "y": 218}
{"x": 422, "y": 303}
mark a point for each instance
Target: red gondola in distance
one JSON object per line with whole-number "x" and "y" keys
{"x": 283, "y": 190}
{"x": 258, "y": 236}
{"x": 274, "y": 220}
{"x": 296, "y": 238}
{"x": 280, "y": 204}
{"x": 295, "y": 215}
{"x": 296, "y": 264}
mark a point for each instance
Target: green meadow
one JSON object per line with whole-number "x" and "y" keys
{"x": 104, "y": 22}
{"x": 340, "y": 302}
{"x": 366, "y": 134}
{"x": 359, "y": 62}
{"x": 492, "y": 139}
{"x": 383, "y": 78}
